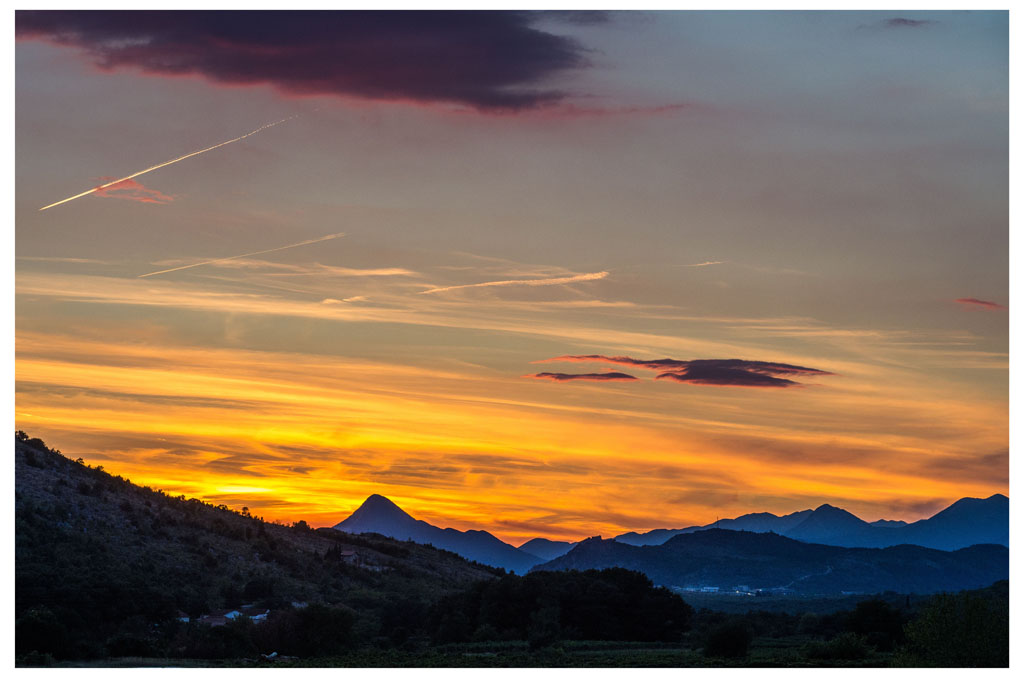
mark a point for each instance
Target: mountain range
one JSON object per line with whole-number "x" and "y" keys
{"x": 965, "y": 523}
{"x": 764, "y": 560}
{"x": 546, "y": 549}
{"x": 380, "y": 515}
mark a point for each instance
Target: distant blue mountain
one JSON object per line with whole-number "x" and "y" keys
{"x": 889, "y": 523}
{"x": 734, "y": 558}
{"x": 380, "y": 515}
{"x": 546, "y": 549}
{"x": 751, "y": 522}
{"x": 967, "y": 522}
{"x": 830, "y": 525}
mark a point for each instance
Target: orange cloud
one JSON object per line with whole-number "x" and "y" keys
{"x": 130, "y": 189}
{"x": 294, "y": 435}
{"x": 971, "y": 302}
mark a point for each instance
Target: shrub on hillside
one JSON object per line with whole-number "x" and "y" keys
{"x": 730, "y": 639}
{"x": 544, "y": 607}
{"x": 878, "y": 622}
{"x": 967, "y": 629}
{"x": 847, "y": 646}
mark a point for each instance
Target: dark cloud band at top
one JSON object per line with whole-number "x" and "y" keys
{"x": 489, "y": 60}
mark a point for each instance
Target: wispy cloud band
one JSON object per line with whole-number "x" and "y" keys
{"x": 239, "y": 256}
{"x": 533, "y": 282}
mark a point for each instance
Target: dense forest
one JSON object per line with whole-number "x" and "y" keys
{"x": 107, "y": 572}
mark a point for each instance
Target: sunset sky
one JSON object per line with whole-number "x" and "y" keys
{"x": 802, "y": 216}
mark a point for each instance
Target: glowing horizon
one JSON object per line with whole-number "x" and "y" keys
{"x": 754, "y": 266}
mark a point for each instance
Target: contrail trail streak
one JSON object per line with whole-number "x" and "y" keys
{"x": 164, "y": 164}
{"x": 248, "y": 254}
{"x": 533, "y": 282}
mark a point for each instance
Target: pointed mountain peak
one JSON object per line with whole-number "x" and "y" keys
{"x": 379, "y": 505}
{"x": 973, "y": 506}
{"x": 830, "y": 511}
{"x": 378, "y": 500}
{"x": 826, "y": 522}
{"x": 995, "y": 500}
{"x": 376, "y": 514}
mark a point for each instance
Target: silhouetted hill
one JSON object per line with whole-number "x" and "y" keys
{"x": 827, "y": 523}
{"x": 103, "y": 566}
{"x": 653, "y": 537}
{"x": 729, "y": 558}
{"x": 751, "y": 522}
{"x": 380, "y": 515}
{"x": 965, "y": 523}
{"x": 546, "y": 549}
{"x": 764, "y": 522}
{"x": 377, "y": 514}
{"x": 979, "y": 521}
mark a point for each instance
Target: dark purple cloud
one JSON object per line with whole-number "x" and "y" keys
{"x": 898, "y": 23}
{"x": 490, "y": 60}
{"x": 902, "y": 22}
{"x": 980, "y": 303}
{"x": 735, "y": 372}
{"x": 664, "y": 363}
{"x": 713, "y": 372}
{"x": 600, "y": 376}
{"x": 715, "y": 375}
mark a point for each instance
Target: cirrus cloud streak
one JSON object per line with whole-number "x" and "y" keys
{"x": 532, "y": 282}
{"x": 222, "y": 260}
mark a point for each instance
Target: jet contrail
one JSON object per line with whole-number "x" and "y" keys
{"x": 535, "y": 282}
{"x": 248, "y": 254}
{"x": 165, "y": 164}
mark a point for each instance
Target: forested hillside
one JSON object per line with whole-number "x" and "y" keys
{"x": 106, "y": 573}
{"x": 104, "y": 567}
